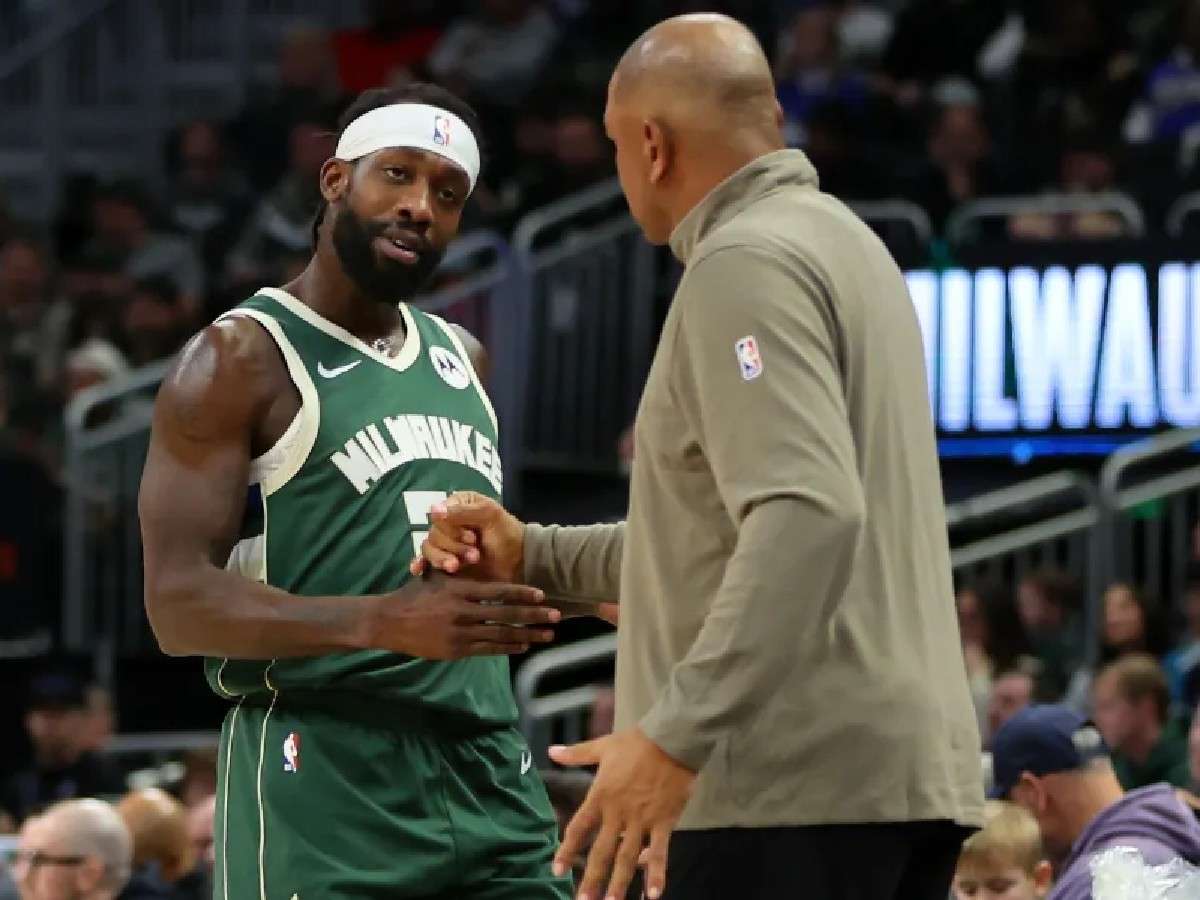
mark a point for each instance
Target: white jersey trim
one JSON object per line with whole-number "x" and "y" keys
{"x": 400, "y": 362}
{"x": 279, "y": 465}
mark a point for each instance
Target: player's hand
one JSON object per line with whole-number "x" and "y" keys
{"x": 473, "y": 535}
{"x": 450, "y": 618}
{"x": 637, "y": 797}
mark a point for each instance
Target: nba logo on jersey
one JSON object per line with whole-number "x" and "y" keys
{"x": 291, "y": 753}
{"x": 441, "y": 131}
{"x": 748, "y": 357}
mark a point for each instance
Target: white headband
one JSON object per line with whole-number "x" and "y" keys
{"x": 416, "y": 126}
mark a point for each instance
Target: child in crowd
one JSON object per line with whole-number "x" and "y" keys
{"x": 1004, "y": 861}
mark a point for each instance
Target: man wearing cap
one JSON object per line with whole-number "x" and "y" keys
{"x": 371, "y": 748}
{"x": 1054, "y": 763}
{"x": 62, "y": 768}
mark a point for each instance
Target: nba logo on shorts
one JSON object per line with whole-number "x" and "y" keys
{"x": 749, "y": 360}
{"x": 441, "y": 131}
{"x": 291, "y": 753}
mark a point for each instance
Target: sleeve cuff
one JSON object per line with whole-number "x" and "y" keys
{"x": 677, "y": 738}
{"x": 536, "y": 554}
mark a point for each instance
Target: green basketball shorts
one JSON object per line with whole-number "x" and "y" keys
{"x": 354, "y": 798}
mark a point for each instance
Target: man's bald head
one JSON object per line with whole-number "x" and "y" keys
{"x": 703, "y": 67}
{"x": 91, "y": 829}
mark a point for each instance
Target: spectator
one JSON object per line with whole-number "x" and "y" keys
{"x": 122, "y": 228}
{"x": 934, "y": 39}
{"x": 78, "y": 849}
{"x": 1087, "y": 165}
{"x": 200, "y": 819}
{"x": 1048, "y": 603}
{"x": 396, "y": 43}
{"x": 576, "y": 156}
{"x": 960, "y": 164}
{"x": 1051, "y": 761}
{"x": 1004, "y": 860}
{"x": 96, "y": 361}
{"x": 30, "y": 326}
{"x": 1170, "y": 105}
{"x": 992, "y": 639}
{"x": 209, "y": 199}
{"x": 1132, "y": 711}
{"x": 864, "y": 30}
{"x": 1132, "y": 623}
{"x": 1012, "y": 691}
{"x": 154, "y": 324}
{"x": 164, "y": 859}
{"x": 1186, "y": 656}
{"x": 281, "y": 227}
{"x": 810, "y": 74}
{"x": 306, "y": 90}
{"x": 61, "y": 768}
{"x": 493, "y": 55}
{"x": 101, "y": 722}
{"x": 199, "y": 776}
{"x": 1076, "y": 72}
{"x": 835, "y": 146}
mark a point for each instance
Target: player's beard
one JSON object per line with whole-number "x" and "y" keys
{"x": 383, "y": 280}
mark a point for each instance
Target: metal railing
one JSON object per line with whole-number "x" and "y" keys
{"x": 961, "y": 222}
{"x": 1150, "y": 493}
{"x": 561, "y": 716}
{"x": 589, "y": 280}
{"x": 903, "y": 226}
{"x": 1186, "y": 206}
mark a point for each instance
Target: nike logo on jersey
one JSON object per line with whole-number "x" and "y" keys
{"x": 334, "y": 373}
{"x": 526, "y": 761}
{"x": 370, "y": 455}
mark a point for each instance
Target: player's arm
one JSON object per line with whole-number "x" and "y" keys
{"x": 191, "y": 503}
{"x": 476, "y": 352}
{"x": 793, "y": 491}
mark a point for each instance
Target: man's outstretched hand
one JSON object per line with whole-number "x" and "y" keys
{"x": 473, "y": 534}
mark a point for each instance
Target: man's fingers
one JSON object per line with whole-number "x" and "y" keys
{"x": 465, "y": 509}
{"x": 626, "y": 862}
{"x": 654, "y": 859}
{"x": 600, "y": 861}
{"x": 439, "y": 558}
{"x": 507, "y": 634}
{"x": 486, "y": 648}
{"x": 575, "y": 836}
{"x": 586, "y": 753}
{"x": 512, "y": 594}
{"x": 512, "y": 615}
{"x": 417, "y": 566}
{"x": 448, "y": 541}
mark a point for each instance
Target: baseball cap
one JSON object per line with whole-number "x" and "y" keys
{"x": 56, "y": 691}
{"x": 1042, "y": 740}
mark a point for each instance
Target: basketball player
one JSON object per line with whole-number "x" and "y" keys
{"x": 371, "y": 748}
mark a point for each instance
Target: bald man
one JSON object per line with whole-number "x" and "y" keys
{"x": 790, "y": 695}
{"x": 76, "y": 850}
{"x": 163, "y": 854}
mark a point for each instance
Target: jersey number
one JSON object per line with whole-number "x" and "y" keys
{"x": 417, "y": 503}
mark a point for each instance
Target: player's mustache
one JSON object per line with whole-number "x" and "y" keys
{"x": 407, "y": 235}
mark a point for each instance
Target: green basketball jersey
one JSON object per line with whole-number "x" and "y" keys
{"x": 339, "y": 506}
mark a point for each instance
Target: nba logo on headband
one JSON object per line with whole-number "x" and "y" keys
{"x": 441, "y": 131}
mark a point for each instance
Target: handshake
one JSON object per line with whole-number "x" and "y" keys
{"x": 474, "y": 536}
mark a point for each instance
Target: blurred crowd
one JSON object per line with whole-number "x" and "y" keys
{"x": 1140, "y": 683}
{"x": 86, "y": 826}
{"x": 935, "y": 101}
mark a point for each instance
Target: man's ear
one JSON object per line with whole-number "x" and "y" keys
{"x": 658, "y": 149}
{"x": 1030, "y": 793}
{"x": 1043, "y": 876}
{"x": 335, "y": 179}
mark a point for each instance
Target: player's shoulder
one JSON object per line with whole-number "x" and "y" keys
{"x": 476, "y": 353}
{"x": 230, "y": 358}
